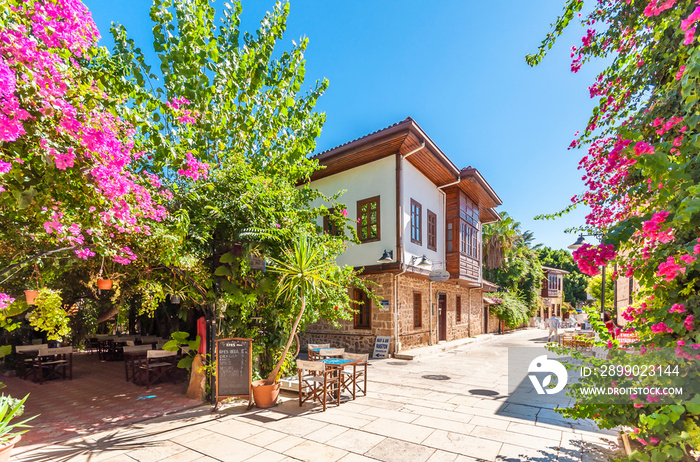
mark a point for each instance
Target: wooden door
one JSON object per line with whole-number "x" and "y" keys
{"x": 486, "y": 320}
{"x": 442, "y": 317}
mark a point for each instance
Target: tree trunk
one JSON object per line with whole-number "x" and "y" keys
{"x": 272, "y": 378}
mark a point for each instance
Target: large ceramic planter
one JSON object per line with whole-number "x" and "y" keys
{"x": 6, "y": 449}
{"x": 104, "y": 284}
{"x": 265, "y": 395}
{"x": 31, "y": 296}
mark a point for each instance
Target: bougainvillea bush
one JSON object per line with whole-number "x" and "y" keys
{"x": 70, "y": 184}
{"x": 642, "y": 174}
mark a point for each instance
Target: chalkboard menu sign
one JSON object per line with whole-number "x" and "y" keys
{"x": 234, "y": 367}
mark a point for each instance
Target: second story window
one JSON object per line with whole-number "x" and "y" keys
{"x": 368, "y": 228}
{"x": 416, "y": 223}
{"x": 553, "y": 284}
{"x": 432, "y": 231}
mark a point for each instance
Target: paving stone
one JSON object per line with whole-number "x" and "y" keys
{"x": 224, "y": 448}
{"x": 535, "y": 431}
{"x": 157, "y": 451}
{"x": 325, "y": 433}
{"x": 398, "y": 430}
{"x": 356, "y": 458}
{"x": 392, "y": 450}
{"x": 513, "y": 453}
{"x": 489, "y": 422}
{"x": 443, "y": 456}
{"x": 264, "y": 438}
{"x": 310, "y": 451}
{"x": 356, "y": 441}
{"x": 268, "y": 456}
{"x": 463, "y": 444}
{"x": 517, "y": 439}
{"x": 285, "y": 443}
{"x": 391, "y": 414}
{"x": 442, "y": 424}
{"x": 235, "y": 429}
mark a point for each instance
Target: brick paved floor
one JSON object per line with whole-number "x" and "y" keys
{"x": 96, "y": 399}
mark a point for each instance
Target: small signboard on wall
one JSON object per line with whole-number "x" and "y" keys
{"x": 383, "y": 305}
{"x": 381, "y": 347}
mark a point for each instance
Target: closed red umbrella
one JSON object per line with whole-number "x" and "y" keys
{"x": 202, "y": 332}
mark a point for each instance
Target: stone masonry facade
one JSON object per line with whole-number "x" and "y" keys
{"x": 412, "y": 332}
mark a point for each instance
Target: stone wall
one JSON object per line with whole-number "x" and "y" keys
{"x": 358, "y": 340}
{"x": 412, "y": 337}
{"x": 362, "y": 340}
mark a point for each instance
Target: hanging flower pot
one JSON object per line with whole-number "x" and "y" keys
{"x": 104, "y": 284}
{"x": 175, "y": 299}
{"x": 31, "y": 296}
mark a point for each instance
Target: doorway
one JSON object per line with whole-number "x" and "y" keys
{"x": 442, "y": 317}
{"x": 486, "y": 320}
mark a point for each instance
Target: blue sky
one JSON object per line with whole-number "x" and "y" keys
{"x": 456, "y": 67}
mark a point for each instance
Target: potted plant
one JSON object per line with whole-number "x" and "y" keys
{"x": 303, "y": 274}
{"x": 31, "y": 294}
{"x": 103, "y": 283}
{"x": 10, "y": 434}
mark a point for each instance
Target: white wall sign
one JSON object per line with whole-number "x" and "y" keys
{"x": 383, "y": 305}
{"x": 381, "y": 347}
{"x": 439, "y": 276}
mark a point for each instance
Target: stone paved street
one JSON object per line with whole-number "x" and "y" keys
{"x": 404, "y": 417}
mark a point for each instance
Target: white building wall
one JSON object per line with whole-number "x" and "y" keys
{"x": 377, "y": 178}
{"x": 418, "y": 187}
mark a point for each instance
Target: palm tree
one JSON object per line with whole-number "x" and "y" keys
{"x": 304, "y": 272}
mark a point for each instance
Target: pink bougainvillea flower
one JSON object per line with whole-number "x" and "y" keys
{"x": 688, "y": 323}
{"x": 5, "y": 300}
{"x": 344, "y": 212}
{"x": 677, "y": 308}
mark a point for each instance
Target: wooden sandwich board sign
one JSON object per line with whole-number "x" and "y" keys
{"x": 234, "y": 368}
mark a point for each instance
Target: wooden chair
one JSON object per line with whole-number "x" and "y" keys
{"x": 131, "y": 359}
{"x": 567, "y": 339}
{"x": 319, "y": 382}
{"x": 313, "y": 347}
{"x": 351, "y": 374}
{"x": 25, "y": 359}
{"x": 158, "y": 364}
{"x": 331, "y": 352}
{"x": 53, "y": 363}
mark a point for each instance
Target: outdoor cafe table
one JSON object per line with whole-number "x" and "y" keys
{"x": 336, "y": 365}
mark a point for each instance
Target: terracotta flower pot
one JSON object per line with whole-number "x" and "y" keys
{"x": 6, "y": 449}
{"x": 265, "y": 395}
{"x": 31, "y": 296}
{"x": 104, "y": 284}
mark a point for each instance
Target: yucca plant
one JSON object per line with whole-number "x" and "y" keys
{"x": 11, "y": 408}
{"x": 303, "y": 274}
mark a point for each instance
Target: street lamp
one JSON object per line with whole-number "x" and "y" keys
{"x": 579, "y": 243}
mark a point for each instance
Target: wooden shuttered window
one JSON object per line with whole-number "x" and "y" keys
{"x": 363, "y": 307}
{"x": 368, "y": 224}
{"x": 458, "y": 309}
{"x": 432, "y": 231}
{"x": 416, "y": 223}
{"x": 417, "y": 310}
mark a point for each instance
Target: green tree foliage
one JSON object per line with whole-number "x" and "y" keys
{"x": 510, "y": 308}
{"x": 510, "y": 261}
{"x": 595, "y": 289}
{"x": 229, "y": 129}
{"x": 575, "y": 283}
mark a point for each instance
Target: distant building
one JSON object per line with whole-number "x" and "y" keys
{"x": 552, "y": 292}
{"x": 419, "y": 212}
